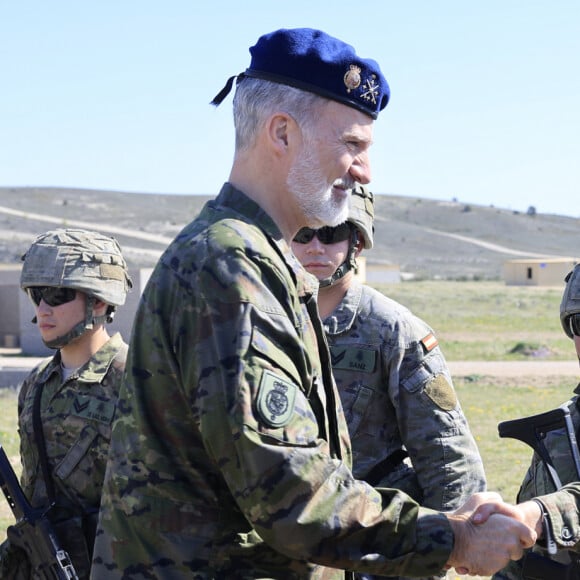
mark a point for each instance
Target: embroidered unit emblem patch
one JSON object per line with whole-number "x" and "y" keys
{"x": 276, "y": 399}
{"x": 440, "y": 391}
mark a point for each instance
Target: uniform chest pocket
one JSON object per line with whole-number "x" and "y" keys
{"x": 358, "y": 403}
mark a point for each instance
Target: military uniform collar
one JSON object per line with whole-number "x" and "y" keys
{"x": 247, "y": 208}
{"x": 237, "y": 200}
{"x": 345, "y": 313}
{"x": 95, "y": 368}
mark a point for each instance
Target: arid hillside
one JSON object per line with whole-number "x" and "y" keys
{"x": 427, "y": 238}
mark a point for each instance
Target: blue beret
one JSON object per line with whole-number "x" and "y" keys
{"x": 313, "y": 61}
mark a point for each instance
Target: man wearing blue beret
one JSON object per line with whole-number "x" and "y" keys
{"x": 230, "y": 456}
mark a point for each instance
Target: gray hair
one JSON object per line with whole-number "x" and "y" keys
{"x": 256, "y": 99}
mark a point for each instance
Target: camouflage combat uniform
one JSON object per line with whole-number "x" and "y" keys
{"x": 76, "y": 416}
{"x": 230, "y": 457}
{"x": 562, "y": 507}
{"x": 398, "y": 399}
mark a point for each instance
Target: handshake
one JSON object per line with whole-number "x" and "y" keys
{"x": 489, "y": 533}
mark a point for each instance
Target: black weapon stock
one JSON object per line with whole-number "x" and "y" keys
{"x": 533, "y": 431}
{"x": 33, "y": 531}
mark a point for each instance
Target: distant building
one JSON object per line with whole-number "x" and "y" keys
{"x": 379, "y": 273}
{"x": 537, "y": 272}
{"x": 9, "y": 305}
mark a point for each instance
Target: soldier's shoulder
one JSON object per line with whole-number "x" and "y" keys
{"x": 394, "y": 315}
{"x": 35, "y": 376}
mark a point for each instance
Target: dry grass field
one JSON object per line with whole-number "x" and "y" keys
{"x": 473, "y": 321}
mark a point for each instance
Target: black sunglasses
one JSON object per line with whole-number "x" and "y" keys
{"x": 326, "y": 235}
{"x": 51, "y": 295}
{"x": 574, "y": 321}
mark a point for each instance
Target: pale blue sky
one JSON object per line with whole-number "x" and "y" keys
{"x": 109, "y": 94}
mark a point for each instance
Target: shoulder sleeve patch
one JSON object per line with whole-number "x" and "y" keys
{"x": 429, "y": 342}
{"x": 440, "y": 391}
{"x": 276, "y": 398}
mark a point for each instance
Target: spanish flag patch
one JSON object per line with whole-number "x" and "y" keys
{"x": 429, "y": 342}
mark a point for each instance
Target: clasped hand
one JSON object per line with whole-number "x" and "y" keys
{"x": 489, "y": 533}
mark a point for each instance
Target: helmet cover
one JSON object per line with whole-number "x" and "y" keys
{"x": 570, "y": 300}
{"x": 362, "y": 213}
{"x": 80, "y": 259}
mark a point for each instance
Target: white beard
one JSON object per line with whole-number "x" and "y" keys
{"x": 313, "y": 193}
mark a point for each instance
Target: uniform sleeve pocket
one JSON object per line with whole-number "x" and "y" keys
{"x": 277, "y": 357}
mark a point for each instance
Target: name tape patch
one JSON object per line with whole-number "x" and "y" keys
{"x": 353, "y": 359}
{"x": 91, "y": 408}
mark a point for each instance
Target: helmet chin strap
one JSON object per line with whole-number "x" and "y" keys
{"x": 348, "y": 264}
{"x": 78, "y": 329}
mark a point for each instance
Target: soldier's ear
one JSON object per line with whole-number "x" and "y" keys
{"x": 359, "y": 244}
{"x": 100, "y": 307}
{"x": 280, "y": 128}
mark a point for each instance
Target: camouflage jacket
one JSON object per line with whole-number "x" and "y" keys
{"x": 230, "y": 457}
{"x": 563, "y": 506}
{"x": 76, "y": 416}
{"x": 398, "y": 395}
{"x": 399, "y": 399}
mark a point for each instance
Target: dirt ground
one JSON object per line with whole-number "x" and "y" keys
{"x": 520, "y": 373}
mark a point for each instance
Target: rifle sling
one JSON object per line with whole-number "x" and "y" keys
{"x": 382, "y": 469}
{"x": 41, "y": 444}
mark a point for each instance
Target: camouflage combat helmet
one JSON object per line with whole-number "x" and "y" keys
{"x": 361, "y": 215}
{"x": 82, "y": 260}
{"x": 570, "y": 304}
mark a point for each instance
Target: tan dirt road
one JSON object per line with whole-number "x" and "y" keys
{"x": 514, "y": 369}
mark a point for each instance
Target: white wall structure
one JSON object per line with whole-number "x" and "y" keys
{"x": 9, "y": 312}
{"x": 383, "y": 274}
{"x": 537, "y": 271}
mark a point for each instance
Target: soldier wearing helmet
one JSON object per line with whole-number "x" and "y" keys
{"x": 62, "y": 263}
{"x": 538, "y": 482}
{"x": 570, "y": 307}
{"x": 76, "y": 279}
{"x": 407, "y": 428}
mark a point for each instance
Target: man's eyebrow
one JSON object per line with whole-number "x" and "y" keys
{"x": 356, "y": 136}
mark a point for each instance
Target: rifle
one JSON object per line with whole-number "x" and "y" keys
{"x": 533, "y": 431}
{"x": 33, "y": 531}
